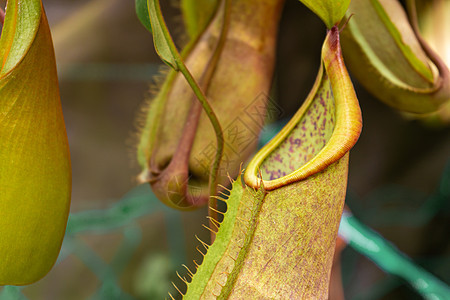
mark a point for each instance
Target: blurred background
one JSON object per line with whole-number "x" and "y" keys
{"x": 121, "y": 243}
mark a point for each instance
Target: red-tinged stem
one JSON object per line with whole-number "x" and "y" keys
{"x": 2, "y": 16}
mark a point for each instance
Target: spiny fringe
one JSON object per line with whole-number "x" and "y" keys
{"x": 209, "y": 229}
{"x": 219, "y": 198}
{"x": 217, "y": 211}
{"x": 253, "y": 191}
{"x": 223, "y": 194}
{"x": 175, "y": 286}
{"x": 229, "y": 177}
{"x": 182, "y": 278}
{"x": 215, "y": 232}
{"x": 140, "y": 119}
{"x": 261, "y": 181}
{"x": 171, "y": 297}
{"x": 260, "y": 173}
{"x": 223, "y": 187}
{"x": 200, "y": 251}
{"x": 189, "y": 271}
{"x": 196, "y": 264}
{"x": 152, "y": 93}
{"x": 203, "y": 243}
{"x": 214, "y": 221}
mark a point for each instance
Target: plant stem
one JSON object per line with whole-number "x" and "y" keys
{"x": 225, "y": 7}
{"x": 212, "y": 203}
{"x": 202, "y": 98}
{"x": 212, "y": 117}
{"x": 2, "y": 17}
{"x": 180, "y": 66}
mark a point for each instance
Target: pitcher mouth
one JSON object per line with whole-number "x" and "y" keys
{"x": 333, "y": 79}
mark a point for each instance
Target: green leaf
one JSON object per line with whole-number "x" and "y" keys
{"x": 35, "y": 173}
{"x": 330, "y": 11}
{"x": 161, "y": 37}
{"x": 278, "y": 235}
{"x": 142, "y": 14}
